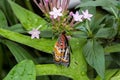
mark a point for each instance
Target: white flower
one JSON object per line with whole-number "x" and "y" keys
{"x": 86, "y": 15}
{"x": 56, "y": 12}
{"x": 35, "y": 33}
{"x": 77, "y": 17}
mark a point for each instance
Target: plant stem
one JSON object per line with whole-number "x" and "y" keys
{"x": 88, "y": 29}
{"x": 115, "y": 14}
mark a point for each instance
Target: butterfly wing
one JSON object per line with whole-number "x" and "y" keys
{"x": 62, "y": 51}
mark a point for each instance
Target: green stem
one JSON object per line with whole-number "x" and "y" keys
{"x": 88, "y": 29}
{"x": 115, "y": 14}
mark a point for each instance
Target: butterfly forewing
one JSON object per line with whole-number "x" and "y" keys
{"x": 62, "y": 51}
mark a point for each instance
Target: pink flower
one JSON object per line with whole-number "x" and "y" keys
{"x": 77, "y": 17}
{"x": 56, "y": 12}
{"x": 35, "y": 33}
{"x": 71, "y": 13}
{"x": 86, "y": 15}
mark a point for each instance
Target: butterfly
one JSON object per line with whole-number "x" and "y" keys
{"x": 61, "y": 52}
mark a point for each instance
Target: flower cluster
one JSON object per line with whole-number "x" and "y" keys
{"x": 80, "y": 17}
{"x": 52, "y": 5}
{"x": 61, "y": 19}
{"x": 57, "y": 11}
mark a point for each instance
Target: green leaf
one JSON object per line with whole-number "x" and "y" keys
{"x": 25, "y": 70}
{"x": 96, "y": 22}
{"x": 108, "y": 74}
{"x": 79, "y": 34}
{"x": 45, "y": 45}
{"x": 94, "y": 55}
{"x": 112, "y": 48}
{"x": 3, "y": 21}
{"x": 18, "y": 52}
{"x": 5, "y": 7}
{"x": 118, "y": 6}
{"x": 107, "y": 3}
{"x": 28, "y": 19}
{"x": 46, "y": 34}
{"x": 16, "y": 28}
{"x": 106, "y": 33}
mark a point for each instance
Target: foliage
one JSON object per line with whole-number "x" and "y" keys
{"x": 94, "y": 54}
{"x": 108, "y": 74}
{"x": 27, "y": 17}
{"x": 94, "y": 42}
{"x": 25, "y": 70}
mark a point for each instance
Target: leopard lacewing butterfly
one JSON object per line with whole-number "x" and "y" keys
{"x": 61, "y": 52}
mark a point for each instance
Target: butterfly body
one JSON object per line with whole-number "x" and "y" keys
{"x": 62, "y": 51}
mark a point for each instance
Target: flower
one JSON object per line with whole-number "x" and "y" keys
{"x": 71, "y": 13}
{"x": 56, "y": 12}
{"x": 35, "y": 33}
{"x": 77, "y": 16}
{"x": 86, "y": 15}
